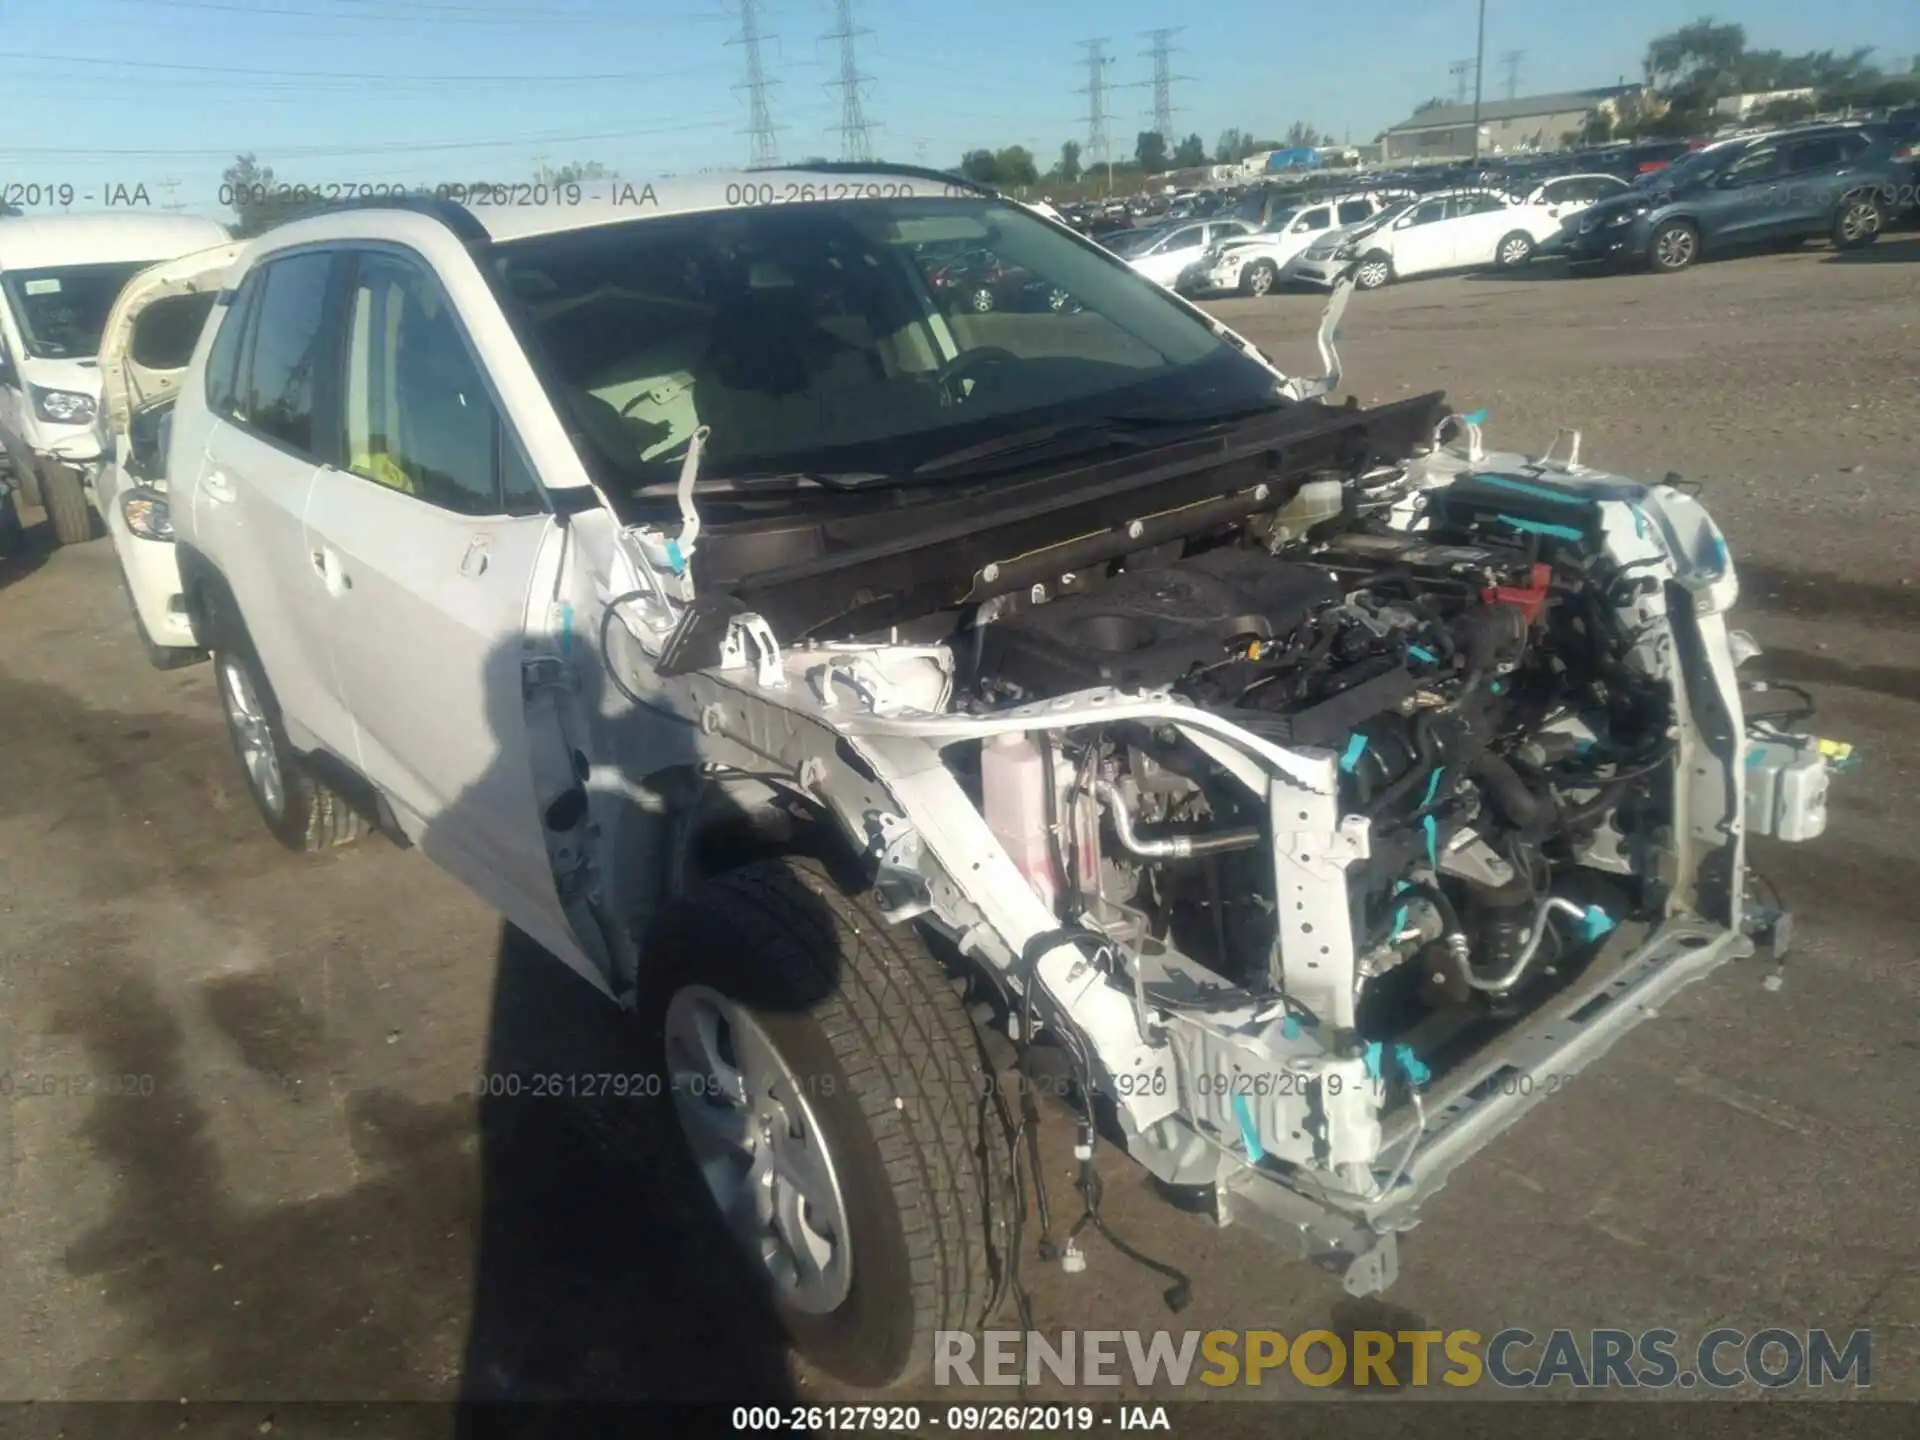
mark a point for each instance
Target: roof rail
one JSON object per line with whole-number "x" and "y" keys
{"x": 464, "y": 224}
{"x": 888, "y": 167}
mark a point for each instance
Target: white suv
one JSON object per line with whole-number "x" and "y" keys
{"x": 862, "y": 692}
{"x": 1253, "y": 264}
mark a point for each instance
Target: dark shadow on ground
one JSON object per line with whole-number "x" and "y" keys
{"x": 24, "y": 547}
{"x": 1887, "y": 250}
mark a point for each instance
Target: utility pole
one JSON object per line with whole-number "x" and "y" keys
{"x": 1099, "y": 149}
{"x": 1479, "y": 60}
{"x": 170, "y": 185}
{"x": 1459, "y": 70}
{"x": 856, "y": 138}
{"x": 1163, "y": 78}
{"x": 760, "y": 124}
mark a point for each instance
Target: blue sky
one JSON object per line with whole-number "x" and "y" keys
{"x": 103, "y": 91}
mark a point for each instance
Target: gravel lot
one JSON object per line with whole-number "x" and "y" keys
{"x": 301, "y": 1199}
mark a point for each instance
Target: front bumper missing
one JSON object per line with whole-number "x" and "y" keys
{"x": 1474, "y": 1104}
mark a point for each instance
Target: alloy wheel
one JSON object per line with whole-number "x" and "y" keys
{"x": 253, "y": 735}
{"x": 1674, "y": 249}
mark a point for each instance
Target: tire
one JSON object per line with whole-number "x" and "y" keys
{"x": 161, "y": 657}
{"x": 1513, "y": 251}
{"x": 301, "y": 813}
{"x": 27, "y": 476}
{"x": 1673, "y": 247}
{"x": 980, "y": 301}
{"x": 1372, "y": 272}
{"x": 1259, "y": 278}
{"x": 64, "y": 494}
{"x": 1061, "y": 303}
{"x": 1858, "y": 222}
{"x": 906, "y": 1151}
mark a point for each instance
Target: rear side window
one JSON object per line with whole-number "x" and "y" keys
{"x": 223, "y": 364}
{"x": 276, "y": 391}
{"x": 1814, "y": 154}
{"x": 1352, "y": 212}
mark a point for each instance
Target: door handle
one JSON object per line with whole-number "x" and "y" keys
{"x": 474, "y": 562}
{"x": 217, "y": 487}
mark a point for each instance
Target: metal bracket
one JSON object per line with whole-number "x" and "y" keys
{"x": 898, "y": 882}
{"x": 749, "y": 641}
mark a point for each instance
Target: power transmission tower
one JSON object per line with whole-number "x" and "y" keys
{"x": 856, "y": 138}
{"x": 760, "y": 124}
{"x": 169, "y": 186}
{"x": 1099, "y": 149}
{"x": 1162, "y": 82}
{"x": 1459, "y": 70}
{"x": 1511, "y": 59}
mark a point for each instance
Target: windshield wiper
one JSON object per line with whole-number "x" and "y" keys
{"x": 1129, "y": 429}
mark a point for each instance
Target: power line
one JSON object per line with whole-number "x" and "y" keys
{"x": 1162, "y": 82}
{"x": 1511, "y": 59}
{"x": 322, "y": 151}
{"x": 760, "y": 126}
{"x": 1099, "y": 148}
{"x": 856, "y": 132}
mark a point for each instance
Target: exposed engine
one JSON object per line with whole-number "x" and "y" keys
{"x": 1500, "y": 722}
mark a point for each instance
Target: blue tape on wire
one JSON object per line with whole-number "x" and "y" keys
{"x": 1541, "y": 527}
{"x": 1371, "y": 1059}
{"x": 1411, "y": 1065}
{"x": 1356, "y": 747}
{"x": 676, "y": 562}
{"x": 1290, "y": 1027}
{"x": 1420, "y": 652}
{"x": 1596, "y": 923}
{"x": 1538, "y": 492}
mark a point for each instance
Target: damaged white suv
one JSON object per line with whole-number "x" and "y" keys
{"x": 852, "y": 687}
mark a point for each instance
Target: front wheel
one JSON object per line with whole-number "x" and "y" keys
{"x": 1372, "y": 272}
{"x": 1675, "y": 246}
{"x": 980, "y": 300}
{"x": 1859, "y": 222}
{"x": 1259, "y": 278}
{"x": 833, "y": 1099}
{"x": 64, "y": 494}
{"x": 1514, "y": 250}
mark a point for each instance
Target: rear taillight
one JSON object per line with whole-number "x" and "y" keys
{"x": 1908, "y": 151}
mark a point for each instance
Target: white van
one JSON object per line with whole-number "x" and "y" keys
{"x": 59, "y": 276}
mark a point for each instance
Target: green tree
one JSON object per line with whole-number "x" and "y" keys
{"x": 1190, "y": 153}
{"x": 1301, "y": 135}
{"x": 569, "y": 174}
{"x": 1232, "y": 148}
{"x": 1067, "y": 171}
{"x": 251, "y": 191}
{"x": 980, "y": 165}
{"x": 1150, "y": 150}
{"x": 1016, "y": 166}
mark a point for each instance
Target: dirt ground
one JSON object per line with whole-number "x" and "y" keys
{"x": 295, "y": 1195}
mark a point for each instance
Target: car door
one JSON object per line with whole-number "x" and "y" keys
{"x": 1743, "y": 204}
{"x": 266, "y": 380}
{"x": 1813, "y": 176}
{"x": 1306, "y": 227}
{"x": 1419, "y": 239}
{"x": 1172, "y": 253}
{"x": 424, "y": 538}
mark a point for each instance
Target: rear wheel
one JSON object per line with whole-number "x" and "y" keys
{"x": 833, "y": 1097}
{"x": 64, "y": 494}
{"x": 302, "y": 813}
{"x": 980, "y": 300}
{"x": 1259, "y": 278}
{"x": 1674, "y": 246}
{"x": 1858, "y": 223}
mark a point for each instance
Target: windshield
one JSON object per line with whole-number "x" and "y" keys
{"x": 1135, "y": 242}
{"x": 1689, "y": 169}
{"x": 62, "y": 311}
{"x": 816, "y": 338}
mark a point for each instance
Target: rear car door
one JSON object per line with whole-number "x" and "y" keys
{"x": 267, "y": 380}
{"x": 425, "y": 537}
{"x": 1475, "y": 223}
{"x": 1814, "y": 174}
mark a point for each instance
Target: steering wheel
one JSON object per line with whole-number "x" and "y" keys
{"x": 961, "y": 367}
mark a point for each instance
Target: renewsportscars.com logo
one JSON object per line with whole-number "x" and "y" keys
{"x": 1514, "y": 1358}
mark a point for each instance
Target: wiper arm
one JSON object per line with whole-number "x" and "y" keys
{"x": 1136, "y": 429}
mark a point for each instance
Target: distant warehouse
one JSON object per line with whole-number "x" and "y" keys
{"x": 1536, "y": 122}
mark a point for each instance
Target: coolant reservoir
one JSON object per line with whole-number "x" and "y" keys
{"x": 1315, "y": 501}
{"x": 1013, "y": 798}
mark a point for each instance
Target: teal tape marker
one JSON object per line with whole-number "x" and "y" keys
{"x": 1371, "y": 1059}
{"x": 1538, "y": 492}
{"x": 1420, "y": 652}
{"x": 1249, "y": 1132}
{"x": 676, "y": 562}
{"x": 566, "y": 630}
{"x": 1432, "y": 827}
{"x": 1541, "y": 527}
{"x": 1356, "y": 747}
{"x": 1410, "y": 1065}
{"x": 1478, "y": 417}
{"x": 1596, "y": 923}
{"x": 1290, "y": 1027}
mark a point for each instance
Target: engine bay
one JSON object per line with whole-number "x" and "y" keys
{"x": 1501, "y": 716}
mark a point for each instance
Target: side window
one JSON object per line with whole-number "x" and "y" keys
{"x": 1476, "y": 205}
{"x": 1754, "y": 166}
{"x": 1560, "y": 192}
{"x": 1352, "y": 212}
{"x": 1317, "y": 218}
{"x": 1853, "y": 144}
{"x": 419, "y": 419}
{"x": 275, "y": 392}
{"x": 1426, "y": 213}
{"x": 223, "y": 362}
{"x": 1814, "y": 154}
